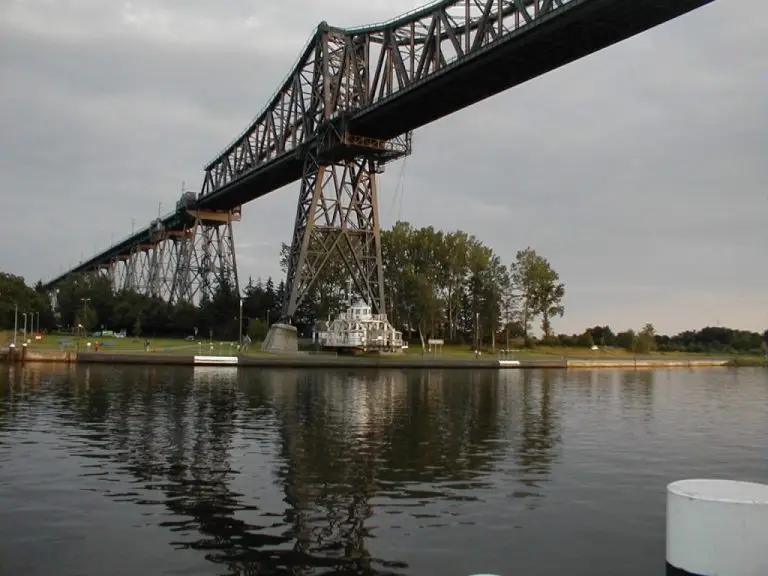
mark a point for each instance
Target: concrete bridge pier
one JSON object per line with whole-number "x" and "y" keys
{"x": 281, "y": 339}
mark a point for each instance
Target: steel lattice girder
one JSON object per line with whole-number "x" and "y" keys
{"x": 387, "y": 79}
{"x": 349, "y": 70}
{"x": 178, "y": 265}
{"x": 337, "y": 213}
{"x": 200, "y": 257}
{"x": 213, "y": 254}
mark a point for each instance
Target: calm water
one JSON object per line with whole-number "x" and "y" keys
{"x": 206, "y": 471}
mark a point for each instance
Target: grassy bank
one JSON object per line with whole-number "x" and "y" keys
{"x": 131, "y": 345}
{"x": 186, "y": 347}
{"x": 748, "y": 361}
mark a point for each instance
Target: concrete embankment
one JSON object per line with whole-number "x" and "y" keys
{"x": 22, "y": 355}
{"x": 328, "y": 361}
{"x": 315, "y": 361}
{"x": 645, "y": 363}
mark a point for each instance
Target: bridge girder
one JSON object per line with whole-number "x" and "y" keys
{"x": 184, "y": 265}
{"x": 344, "y": 71}
{"x": 367, "y": 85}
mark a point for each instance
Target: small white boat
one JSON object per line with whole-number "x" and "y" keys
{"x": 358, "y": 329}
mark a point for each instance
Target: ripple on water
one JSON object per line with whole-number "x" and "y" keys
{"x": 180, "y": 471}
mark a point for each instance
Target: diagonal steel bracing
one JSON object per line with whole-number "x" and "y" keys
{"x": 354, "y": 70}
{"x": 204, "y": 257}
{"x": 396, "y": 76}
{"x": 374, "y": 84}
{"x": 185, "y": 264}
{"x": 337, "y": 213}
{"x": 338, "y": 208}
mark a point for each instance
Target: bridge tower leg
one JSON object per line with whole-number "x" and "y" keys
{"x": 155, "y": 268}
{"x": 184, "y": 248}
{"x": 162, "y": 263}
{"x": 143, "y": 268}
{"x": 337, "y": 216}
{"x": 179, "y": 248}
{"x": 132, "y": 270}
{"x": 205, "y": 256}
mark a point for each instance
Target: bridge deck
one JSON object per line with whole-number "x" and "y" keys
{"x": 565, "y": 35}
{"x": 584, "y": 28}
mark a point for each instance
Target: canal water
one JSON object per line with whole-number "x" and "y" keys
{"x": 156, "y": 470}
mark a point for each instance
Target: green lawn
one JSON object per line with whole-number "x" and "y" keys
{"x": 180, "y": 346}
{"x": 133, "y": 345}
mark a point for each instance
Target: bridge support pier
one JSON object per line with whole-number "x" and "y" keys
{"x": 186, "y": 263}
{"x": 205, "y": 256}
{"x": 337, "y": 217}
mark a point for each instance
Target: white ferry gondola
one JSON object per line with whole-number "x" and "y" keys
{"x": 358, "y": 330}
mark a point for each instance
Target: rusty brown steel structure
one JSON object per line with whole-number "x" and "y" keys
{"x": 349, "y": 106}
{"x": 356, "y": 92}
{"x": 180, "y": 259}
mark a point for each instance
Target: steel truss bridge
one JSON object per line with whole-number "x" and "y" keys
{"x": 347, "y": 108}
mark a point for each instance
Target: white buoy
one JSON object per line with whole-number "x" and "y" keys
{"x": 717, "y": 528}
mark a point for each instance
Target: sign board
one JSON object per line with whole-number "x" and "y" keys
{"x": 435, "y": 342}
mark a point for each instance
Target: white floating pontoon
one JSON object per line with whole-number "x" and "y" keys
{"x": 359, "y": 330}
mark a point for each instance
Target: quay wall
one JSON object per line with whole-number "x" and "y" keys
{"x": 328, "y": 361}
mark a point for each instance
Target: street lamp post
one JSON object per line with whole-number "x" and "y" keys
{"x": 85, "y": 313}
{"x": 24, "y": 332}
{"x": 241, "y": 325}
{"x": 477, "y": 330}
{"x": 15, "y": 323}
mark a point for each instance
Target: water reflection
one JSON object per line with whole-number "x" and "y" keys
{"x": 636, "y": 389}
{"x": 539, "y": 434}
{"x": 292, "y": 472}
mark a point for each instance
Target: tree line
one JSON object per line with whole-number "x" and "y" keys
{"x": 446, "y": 285}
{"x": 451, "y": 286}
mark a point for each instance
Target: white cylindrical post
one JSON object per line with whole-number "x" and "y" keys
{"x": 717, "y": 528}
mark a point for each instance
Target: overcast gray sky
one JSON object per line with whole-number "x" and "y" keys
{"x": 641, "y": 172}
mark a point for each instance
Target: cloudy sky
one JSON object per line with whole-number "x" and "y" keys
{"x": 641, "y": 172}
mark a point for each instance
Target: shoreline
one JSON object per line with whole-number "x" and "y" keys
{"x": 309, "y": 361}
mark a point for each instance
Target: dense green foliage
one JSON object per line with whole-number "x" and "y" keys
{"x": 439, "y": 284}
{"x": 17, "y": 299}
{"x": 706, "y": 340}
{"x": 91, "y": 302}
{"x": 449, "y": 285}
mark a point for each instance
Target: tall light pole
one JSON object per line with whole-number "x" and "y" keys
{"x": 85, "y": 312}
{"x": 25, "y": 326}
{"x": 15, "y": 323}
{"x": 241, "y": 324}
{"x": 477, "y": 330}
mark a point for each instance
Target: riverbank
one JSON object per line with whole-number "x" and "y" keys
{"x": 332, "y": 361}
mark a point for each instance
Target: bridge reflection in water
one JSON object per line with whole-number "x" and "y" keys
{"x": 292, "y": 472}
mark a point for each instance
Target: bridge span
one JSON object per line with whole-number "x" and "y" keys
{"x": 347, "y": 108}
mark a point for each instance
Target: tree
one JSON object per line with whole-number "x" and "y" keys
{"x": 646, "y": 339}
{"x": 539, "y": 289}
{"x": 626, "y": 340}
{"x": 548, "y": 300}
{"x": 523, "y": 280}
{"x": 585, "y": 340}
{"x": 15, "y": 296}
{"x": 602, "y": 335}
{"x": 508, "y": 303}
